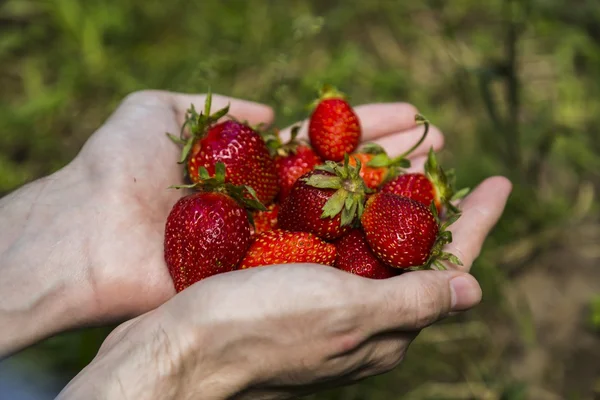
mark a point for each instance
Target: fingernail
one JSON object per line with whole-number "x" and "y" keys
{"x": 466, "y": 292}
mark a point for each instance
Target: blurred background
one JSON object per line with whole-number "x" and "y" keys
{"x": 514, "y": 84}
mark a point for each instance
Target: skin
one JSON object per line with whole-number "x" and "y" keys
{"x": 85, "y": 247}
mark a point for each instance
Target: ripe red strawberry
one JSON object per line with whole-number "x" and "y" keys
{"x": 324, "y": 201}
{"x": 237, "y": 145}
{"x": 266, "y": 220}
{"x": 292, "y": 166}
{"x": 283, "y": 247}
{"x": 404, "y": 233}
{"x": 208, "y": 232}
{"x": 334, "y": 128}
{"x": 415, "y": 186}
{"x": 434, "y": 186}
{"x": 292, "y": 159}
{"x": 355, "y": 256}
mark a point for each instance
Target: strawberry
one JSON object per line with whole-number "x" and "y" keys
{"x": 324, "y": 201}
{"x": 378, "y": 167}
{"x": 292, "y": 166}
{"x": 283, "y": 247}
{"x": 334, "y": 128}
{"x": 266, "y": 220}
{"x": 355, "y": 256}
{"x": 207, "y": 232}
{"x": 237, "y": 145}
{"x": 415, "y": 186}
{"x": 434, "y": 186}
{"x": 292, "y": 159}
{"x": 404, "y": 233}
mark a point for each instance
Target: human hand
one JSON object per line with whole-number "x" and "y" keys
{"x": 85, "y": 244}
{"x": 288, "y": 330}
{"x": 97, "y": 225}
{"x": 130, "y": 163}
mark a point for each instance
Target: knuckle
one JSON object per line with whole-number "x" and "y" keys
{"x": 388, "y": 355}
{"x": 388, "y": 363}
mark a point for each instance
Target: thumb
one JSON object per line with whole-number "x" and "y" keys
{"x": 417, "y": 299}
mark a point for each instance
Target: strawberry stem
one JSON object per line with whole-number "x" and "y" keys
{"x": 327, "y": 91}
{"x": 397, "y": 164}
{"x": 419, "y": 119}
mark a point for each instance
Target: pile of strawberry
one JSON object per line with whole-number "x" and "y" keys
{"x": 258, "y": 201}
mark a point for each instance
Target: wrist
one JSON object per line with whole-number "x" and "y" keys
{"x": 147, "y": 359}
{"x": 38, "y": 253}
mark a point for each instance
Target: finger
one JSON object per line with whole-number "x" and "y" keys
{"x": 382, "y": 119}
{"x": 416, "y": 299}
{"x": 244, "y": 110}
{"x": 480, "y": 213}
{"x": 376, "y": 120}
{"x": 378, "y": 354}
{"x": 374, "y": 356}
{"x": 397, "y": 143}
{"x": 417, "y": 164}
{"x": 151, "y": 102}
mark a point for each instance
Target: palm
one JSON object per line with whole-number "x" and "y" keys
{"x": 135, "y": 163}
{"x": 138, "y": 164}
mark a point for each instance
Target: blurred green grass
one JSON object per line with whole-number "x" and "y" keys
{"x": 514, "y": 84}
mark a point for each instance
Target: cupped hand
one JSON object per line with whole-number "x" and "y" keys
{"x": 129, "y": 164}
{"x": 282, "y": 331}
{"x": 269, "y": 332}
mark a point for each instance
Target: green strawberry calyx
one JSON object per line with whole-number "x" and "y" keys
{"x": 351, "y": 190}
{"x": 443, "y": 182}
{"x": 395, "y": 166}
{"x": 242, "y": 194}
{"x": 197, "y": 124}
{"x": 327, "y": 91}
{"x": 437, "y": 254}
{"x": 276, "y": 146}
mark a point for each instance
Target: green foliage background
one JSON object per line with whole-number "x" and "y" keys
{"x": 514, "y": 85}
